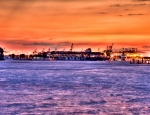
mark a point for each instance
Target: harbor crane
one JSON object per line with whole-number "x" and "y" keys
{"x": 109, "y": 50}
{"x": 71, "y": 47}
{"x": 5, "y": 50}
{"x": 35, "y": 51}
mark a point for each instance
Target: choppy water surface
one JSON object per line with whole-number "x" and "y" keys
{"x": 72, "y": 87}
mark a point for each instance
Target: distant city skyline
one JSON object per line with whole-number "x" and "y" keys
{"x": 30, "y": 24}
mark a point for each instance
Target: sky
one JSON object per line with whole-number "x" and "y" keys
{"x": 26, "y": 25}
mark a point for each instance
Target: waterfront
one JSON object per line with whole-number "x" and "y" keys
{"x": 74, "y": 87}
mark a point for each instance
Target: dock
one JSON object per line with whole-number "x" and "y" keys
{"x": 144, "y": 60}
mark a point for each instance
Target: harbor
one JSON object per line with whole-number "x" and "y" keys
{"x": 74, "y": 57}
{"x": 132, "y": 55}
{"x": 143, "y": 60}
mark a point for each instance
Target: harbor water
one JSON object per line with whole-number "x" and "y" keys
{"x": 74, "y": 88}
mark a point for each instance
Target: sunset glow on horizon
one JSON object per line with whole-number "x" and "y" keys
{"x": 30, "y": 24}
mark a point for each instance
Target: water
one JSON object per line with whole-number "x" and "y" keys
{"x": 74, "y": 87}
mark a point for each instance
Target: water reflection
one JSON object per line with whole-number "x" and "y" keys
{"x": 62, "y": 88}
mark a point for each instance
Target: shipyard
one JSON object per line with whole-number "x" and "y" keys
{"x": 133, "y": 55}
{"x": 74, "y": 57}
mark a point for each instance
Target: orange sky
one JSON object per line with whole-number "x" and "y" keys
{"x": 30, "y": 24}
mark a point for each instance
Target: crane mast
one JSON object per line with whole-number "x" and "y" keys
{"x": 71, "y": 47}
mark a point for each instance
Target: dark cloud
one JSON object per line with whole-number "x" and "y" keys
{"x": 46, "y": 44}
{"x": 75, "y": 0}
{"x": 119, "y": 5}
{"x": 102, "y": 13}
{"x": 115, "y": 5}
{"x": 23, "y": 1}
{"x": 63, "y": 43}
{"x": 51, "y": 38}
{"x": 37, "y": 44}
{"x": 53, "y": 44}
{"x": 60, "y": 44}
{"x": 67, "y": 43}
{"x": 126, "y": 9}
{"x": 18, "y": 7}
{"x": 13, "y": 41}
{"x": 146, "y": 47}
{"x": 135, "y": 14}
{"x": 141, "y": 0}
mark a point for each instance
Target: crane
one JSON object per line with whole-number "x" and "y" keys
{"x": 35, "y": 51}
{"x": 71, "y": 47}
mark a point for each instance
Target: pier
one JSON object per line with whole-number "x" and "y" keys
{"x": 143, "y": 60}
{"x": 62, "y": 55}
{"x": 124, "y": 54}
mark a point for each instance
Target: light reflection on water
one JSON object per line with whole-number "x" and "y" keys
{"x": 68, "y": 87}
